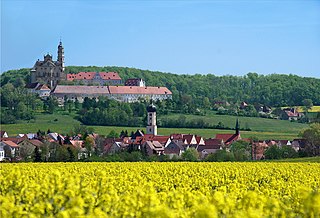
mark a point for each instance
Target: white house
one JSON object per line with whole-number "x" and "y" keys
{"x": 12, "y": 147}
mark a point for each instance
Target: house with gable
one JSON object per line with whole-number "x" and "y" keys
{"x": 3, "y": 134}
{"x": 211, "y": 146}
{"x": 152, "y": 148}
{"x": 8, "y": 150}
{"x": 174, "y": 148}
{"x": 230, "y": 138}
{"x": 291, "y": 114}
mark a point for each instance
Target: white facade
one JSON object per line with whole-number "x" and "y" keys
{"x": 152, "y": 123}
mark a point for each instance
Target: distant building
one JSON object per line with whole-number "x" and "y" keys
{"x": 135, "y": 82}
{"x": 48, "y": 71}
{"x": 210, "y": 146}
{"x": 95, "y": 78}
{"x": 119, "y": 93}
{"x": 291, "y": 114}
{"x": 229, "y": 138}
{"x": 152, "y": 120}
{"x": 41, "y": 89}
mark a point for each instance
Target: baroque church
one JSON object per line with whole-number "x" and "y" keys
{"x": 49, "y": 71}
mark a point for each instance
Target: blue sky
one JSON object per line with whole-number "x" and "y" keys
{"x": 219, "y": 37}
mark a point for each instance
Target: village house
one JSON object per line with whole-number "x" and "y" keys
{"x": 174, "y": 148}
{"x": 95, "y": 78}
{"x": 258, "y": 149}
{"x": 298, "y": 144}
{"x": 152, "y": 148}
{"x": 8, "y": 150}
{"x": 210, "y": 146}
{"x": 42, "y": 90}
{"x": 291, "y": 114}
{"x": 230, "y": 138}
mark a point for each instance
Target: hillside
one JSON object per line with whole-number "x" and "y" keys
{"x": 273, "y": 90}
{"x": 261, "y": 128}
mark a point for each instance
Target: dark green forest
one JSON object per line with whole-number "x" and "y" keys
{"x": 273, "y": 90}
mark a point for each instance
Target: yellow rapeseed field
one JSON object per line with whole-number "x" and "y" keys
{"x": 160, "y": 190}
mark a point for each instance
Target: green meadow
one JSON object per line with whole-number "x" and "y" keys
{"x": 261, "y": 128}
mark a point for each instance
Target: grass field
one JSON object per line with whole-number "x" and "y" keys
{"x": 303, "y": 159}
{"x": 255, "y": 123}
{"x": 261, "y": 128}
{"x": 314, "y": 109}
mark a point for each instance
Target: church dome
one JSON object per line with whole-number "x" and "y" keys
{"x": 151, "y": 108}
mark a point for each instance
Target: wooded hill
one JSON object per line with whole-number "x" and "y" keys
{"x": 273, "y": 90}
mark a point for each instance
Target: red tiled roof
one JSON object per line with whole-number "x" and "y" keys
{"x": 198, "y": 138}
{"x": 11, "y": 143}
{"x": 188, "y": 138}
{"x": 139, "y": 90}
{"x": 176, "y": 136}
{"x": 36, "y": 142}
{"x": 212, "y": 144}
{"x": 43, "y": 87}
{"x": 291, "y": 114}
{"x": 15, "y": 140}
{"x": 132, "y": 82}
{"x": 150, "y": 137}
{"x": 228, "y": 138}
{"x": 91, "y": 75}
{"x": 60, "y": 89}
{"x": 76, "y": 143}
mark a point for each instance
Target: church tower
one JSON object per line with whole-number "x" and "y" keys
{"x": 152, "y": 120}
{"x": 61, "y": 55}
{"x": 237, "y": 127}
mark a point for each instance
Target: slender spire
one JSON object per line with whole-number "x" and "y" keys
{"x": 237, "y": 127}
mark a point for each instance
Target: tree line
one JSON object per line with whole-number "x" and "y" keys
{"x": 188, "y": 90}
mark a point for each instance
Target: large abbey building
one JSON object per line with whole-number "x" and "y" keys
{"x": 49, "y": 71}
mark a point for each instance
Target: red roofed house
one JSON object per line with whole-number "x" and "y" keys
{"x": 211, "y": 146}
{"x": 229, "y": 138}
{"x": 291, "y": 114}
{"x": 8, "y": 149}
{"x": 163, "y": 140}
{"x": 41, "y": 89}
{"x": 96, "y": 78}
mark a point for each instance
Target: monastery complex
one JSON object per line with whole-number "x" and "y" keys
{"x": 47, "y": 76}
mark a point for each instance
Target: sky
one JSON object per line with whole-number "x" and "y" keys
{"x": 183, "y": 37}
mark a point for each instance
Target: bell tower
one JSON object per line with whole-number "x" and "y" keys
{"x": 61, "y": 55}
{"x": 151, "y": 120}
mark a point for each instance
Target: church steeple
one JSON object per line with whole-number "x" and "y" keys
{"x": 61, "y": 55}
{"x": 237, "y": 127}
